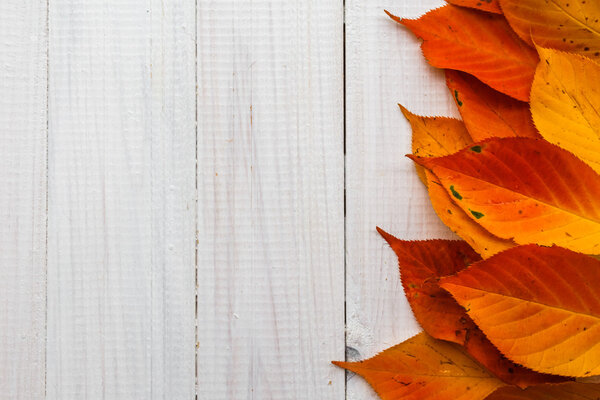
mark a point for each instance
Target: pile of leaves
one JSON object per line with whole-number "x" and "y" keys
{"x": 512, "y": 311}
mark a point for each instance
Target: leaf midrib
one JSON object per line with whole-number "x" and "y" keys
{"x": 597, "y": 33}
{"x": 522, "y": 194}
{"x": 509, "y": 296}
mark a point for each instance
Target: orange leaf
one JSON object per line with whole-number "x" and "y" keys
{"x": 481, "y": 44}
{"x": 481, "y": 349}
{"x": 562, "y": 391}
{"x": 488, "y": 113}
{"x": 538, "y": 305}
{"x": 569, "y": 25}
{"x": 484, "y": 5}
{"x": 455, "y": 218}
{"x": 525, "y": 189}
{"x": 423, "y": 368}
{"x": 435, "y": 136}
{"x": 422, "y": 263}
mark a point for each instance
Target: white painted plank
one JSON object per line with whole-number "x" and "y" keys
{"x": 121, "y": 200}
{"x": 270, "y": 144}
{"x": 384, "y": 66}
{"x": 23, "y": 72}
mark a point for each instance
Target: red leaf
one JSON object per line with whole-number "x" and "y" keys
{"x": 481, "y": 44}
{"x": 488, "y": 113}
{"x": 524, "y": 189}
{"x": 422, "y": 263}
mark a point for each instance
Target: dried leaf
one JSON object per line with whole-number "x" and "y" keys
{"x": 524, "y": 189}
{"x": 538, "y": 305}
{"x": 481, "y": 349}
{"x": 565, "y": 103}
{"x": 488, "y": 113}
{"x": 421, "y": 264}
{"x": 435, "y": 136}
{"x": 562, "y": 391}
{"x": 481, "y": 44}
{"x": 569, "y": 25}
{"x": 483, "y": 242}
{"x": 492, "y": 6}
{"x": 423, "y": 368}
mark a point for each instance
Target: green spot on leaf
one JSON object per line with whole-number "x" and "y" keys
{"x": 477, "y": 214}
{"x": 476, "y": 149}
{"x": 460, "y": 103}
{"x": 455, "y": 193}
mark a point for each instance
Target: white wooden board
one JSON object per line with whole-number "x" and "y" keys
{"x": 270, "y": 179}
{"x": 193, "y": 168}
{"x": 121, "y": 211}
{"x": 23, "y": 45}
{"x": 384, "y": 66}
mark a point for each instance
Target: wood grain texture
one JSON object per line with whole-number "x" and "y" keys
{"x": 23, "y": 146}
{"x": 384, "y": 66}
{"x": 270, "y": 179}
{"x": 266, "y": 205}
{"x": 121, "y": 200}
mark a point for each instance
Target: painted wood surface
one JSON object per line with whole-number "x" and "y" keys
{"x": 384, "y": 66}
{"x": 23, "y": 46}
{"x": 121, "y": 200}
{"x": 189, "y": 194}
{"x": 271, "y": 197}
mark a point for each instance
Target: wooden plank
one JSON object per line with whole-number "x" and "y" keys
{"x": 384, "y": 66}
{"x": 23, "y": 147}
{"x": 121, "y": 312}
{"x": 271, "y": 223}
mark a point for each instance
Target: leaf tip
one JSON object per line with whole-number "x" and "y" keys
{"x": 543, "y": 52}
{"x": 418, "y": 160}
{"x": 392, "y": 16}
{"x": 388, "y": 238}
{"x": 447, "y": 283}
{"x": 410, "y": 117}
{"x": 344, "y": 364}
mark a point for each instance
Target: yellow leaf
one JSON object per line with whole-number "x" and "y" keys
{"x": 483, "y": 242}
{"x": 565, "y": 103}
{"x": 569, "y": 25}
{"x": 435, "y": 136}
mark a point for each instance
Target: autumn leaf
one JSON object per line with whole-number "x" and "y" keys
{"x": 435, "y": 136}
{"x": 492, "y": 6}
{"x": 481, "y": 44}
{"x": 486, "y": 112}
{"x": 423, "y": 368}
{"x": 527, "y": 190}
{"x": 562, "y": 391}
{"x": 538, "y": 305}
{"x": 565, "y": 103}
{"x": 479, "y": 347}
{"x": 421, "y": 264}
{"x": 569, "y": 25}
{"x": 483, "y": 242}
